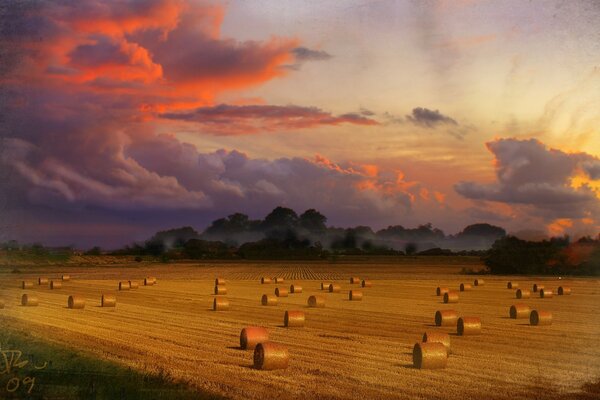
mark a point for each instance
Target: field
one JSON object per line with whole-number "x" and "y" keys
{"x": 348, "y": 349}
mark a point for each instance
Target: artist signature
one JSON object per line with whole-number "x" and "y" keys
{"x": 10, "y": 364}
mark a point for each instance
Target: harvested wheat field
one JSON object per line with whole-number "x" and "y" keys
{"x": 348, "y": 349}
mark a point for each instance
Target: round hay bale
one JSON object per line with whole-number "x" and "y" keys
{"x": 278, "y": 280}
{"x": 478, "y": 282}
{"x": 465, "y": 287}
{"x": 451, "y": 297}
{"x": 133, "y": 285}
{"x": 519, "y": 311}
{"x": 264, "y": 280}
{"x": 124, "y": 285}
{"x": 252, "y": 336}
{"x": 355, "y": 295}
{"x": 66, "y": 278}
{"x": 430, "y": 355}
{"x": 293, "y": 319}
{"x": 29, "y": 300}
{"x": 281, "y": 292}
{"x": 523, "y": 294}
{"x": 42, "y": 281}
{"x": 269, "y": 356}
{"x": 268, "y": 300}
{"x": 540, "y": 318}
{"x": 354, "y": 280}
{"x": 77, "y": 302}
{"x": 440, "y": 291}
{"x": 316, "y": 301}
{"x": 537, "y": 287}
{"x": 325, "y": 285}
{"x": 55, "y": 284}
{"x": 564, "y": 291}
{"x": 26, "y": 285}
{"x": 220, "y": 290}
{"x": 108, "y": 300}
{"x": 149, "y": 281}
{"x": 220, "y": 304}
{"x": 438, "y": 337}
{"x": 365, "y": 283}
{"x": 545, "y": 294}
{"x": 295, "y": 289}
{"x": 468, "y": 326}
{"x": 334, "y": 288}
{"x": 512, "y": 285}
{"x": 219, "y": 281}
{"x": 446, "y": 317}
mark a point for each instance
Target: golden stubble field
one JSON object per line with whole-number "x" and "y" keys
{"x": 352, "y": 350}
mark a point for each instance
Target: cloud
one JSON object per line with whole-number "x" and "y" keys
{"x": 531, "y": 175}
{"x": 306, "y": 54}
{"x": 429, "y": 118}
{"x": 227, "y": 119}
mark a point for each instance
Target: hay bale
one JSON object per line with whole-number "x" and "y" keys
{"x": 66, "y": 278}
{"x": 430, "y": 355}
{"x": 29, "y": 300}
{"x": 278, "y": 280}
{"x": 440, "y": 291}
{"x": 468, "y": 326}
{"x": 438, "y": 337}
{"x": 478, "y": 282}
{"x": 545, "y": 294}
{"x": 124, "y": 285}
{"x": 446, "y": 317}
{"x": 220, "y": 304}
{"x": 55, "y": 284}
{"x": 293, "y": 319}
{"x": 325, "y": 285}
{"x": 264, "y": 280}
{"x": 523, "y": 294}
{"x": 268, "y": 300}
{"x": 77, "y": 302}
{"x": 464, "y": 287}
{"x": 564, "y": 291}
{"x": 451, "y": 297}
{"x": 26, "y": 285}
{"x": 537, "y": 287}
{"x": 316, "y": 301}
{"x": 295, "y": 289}
{"x": 281, "y": 292}
{"x": 512, "y": 285}
{"x": 354, "y": 295}
{"x": 252, "y": 336}
{"x": 334, "y": 288}
{"x": 219, "y": 281}
{"x": 269, "y": 356}
{"x": 519, "y": 310}
{"x": 366, "y": 283}
{"x": 220, "y": 290}
{"x": 108, "y": 300}
{"x": 133, "y": 285}
{"x": 42, "y": 281}
{"x": 149, "y": 281}
{"x": 540, "y": 318}
{"x": 354, "y": 280}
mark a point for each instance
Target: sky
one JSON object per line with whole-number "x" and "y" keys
{"x": 120, "y": 118}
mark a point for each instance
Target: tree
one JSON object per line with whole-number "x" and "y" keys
{"x": 313, "y": 221}
{"x": 486, "y": 230}
{"x": 281, "y": 218}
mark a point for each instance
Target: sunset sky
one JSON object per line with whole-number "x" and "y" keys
{"x": 120, "y": 118}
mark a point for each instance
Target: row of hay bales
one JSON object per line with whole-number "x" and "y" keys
{"x": 220, "y": 303}
{"x": 77, "y": 301}
{"x": 433, "y": 350}
{"x": 269, "y": 355}
{"x": 55, "y": 283}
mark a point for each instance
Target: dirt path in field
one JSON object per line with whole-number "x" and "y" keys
{"x": 357, "y": 350}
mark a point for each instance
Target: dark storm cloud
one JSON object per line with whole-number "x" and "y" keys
{"x": 429, "y": 118}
